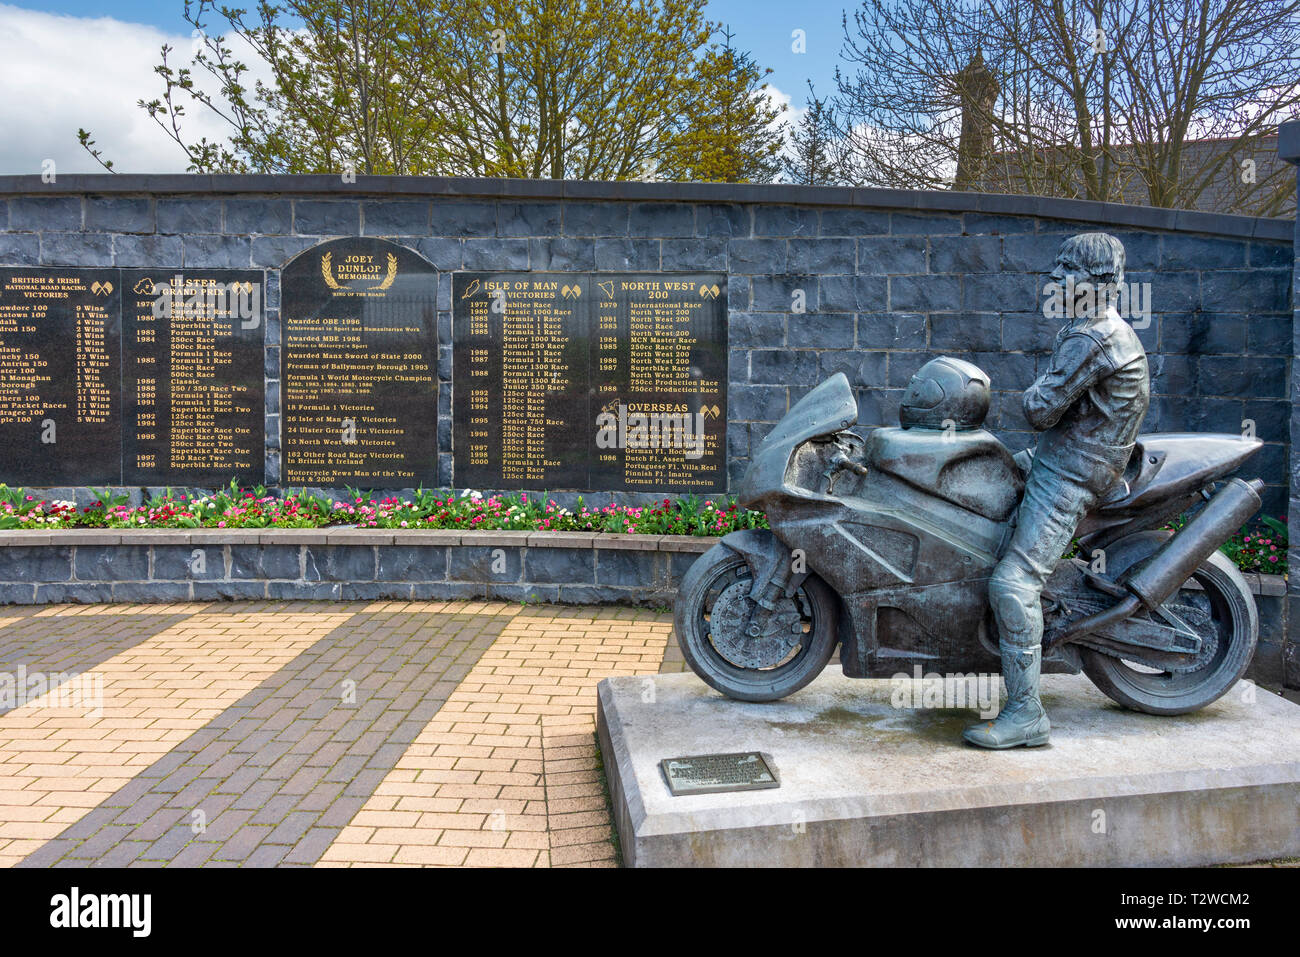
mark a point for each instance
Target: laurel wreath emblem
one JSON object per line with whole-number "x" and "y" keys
{"x": 392, "y": 273}
{"x": 327, "y": 271}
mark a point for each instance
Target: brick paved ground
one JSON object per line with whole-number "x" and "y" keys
{"x": 304, "y": 734}
{"x": 296, "y": 734}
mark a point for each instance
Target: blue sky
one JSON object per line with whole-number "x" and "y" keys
{"x": 763, "y": 27}
{"x": 70, "y": 64}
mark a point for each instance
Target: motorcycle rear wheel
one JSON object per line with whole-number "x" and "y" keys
{"x": 1233, "y": 626}
{"x": 713, "y": 573}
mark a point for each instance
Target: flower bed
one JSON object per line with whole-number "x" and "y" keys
{"x": 1260, "y": 547}
{"x": 235, "y": 507}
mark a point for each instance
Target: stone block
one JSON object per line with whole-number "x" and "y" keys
{"x": 562, "y": 254}
{"x": 395, "y": 218}
{"x": 596, "y": 219}
{"x": 463, "y": 218}
{"x": 662, "y": 219}
{"x": 892, "y": 256}
{"x": 723, "y": 220}
{"x": 965, "y": 254}
{"x": 313, "y": 217}
{"x": 262, "y": 216}
{"x": 111, "y": 563}
{"x": 529, "y": 219}
{"x": 627, "y": 255}
{"x": 412, "y": 562}
{"x": 218, "y": 252}
{"x": 823, "y": 256}
{"x": 924, "y": 293}
{"x": 181, "y": 216}
{"x": 186, "y": 562}
{"x": 849, "y": 221}
{"x": 119, "y": 214}
{"x": 785, "y": 221}
{"x": 76, "y": 249}
{"x": 339, "y": 563}
{"x": 559, "y": 566}
{"x": 695, "y": 255}
{"x": 873, "y": 784}
{"x": 257, "y": 561}
{"x": 152, "y": 251}
{"x": 495, "y": 254}
{"x": 487, "y": 563}
{"x": 40, "y": 213}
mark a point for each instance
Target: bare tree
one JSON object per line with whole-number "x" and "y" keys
{"x": 1098, "y": 99}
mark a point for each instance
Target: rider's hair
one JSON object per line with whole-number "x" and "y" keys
{"x": 1099, "y": 253}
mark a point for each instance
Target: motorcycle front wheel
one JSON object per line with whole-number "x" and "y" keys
{"x": 709, "y": 619}
{"x": 1217, "y": 603}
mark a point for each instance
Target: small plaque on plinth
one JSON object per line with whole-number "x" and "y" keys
{"x": 712, "y": 773}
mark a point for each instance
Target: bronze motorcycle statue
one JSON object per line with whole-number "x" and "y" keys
{"x": 883, "y": 548}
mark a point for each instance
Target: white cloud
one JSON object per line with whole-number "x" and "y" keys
{"x": 61, "y": 73}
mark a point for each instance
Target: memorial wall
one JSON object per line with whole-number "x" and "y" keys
{"x": 627, "y": 339}
{"x": 131, "y": 377}
{"x": 562, "y": 381}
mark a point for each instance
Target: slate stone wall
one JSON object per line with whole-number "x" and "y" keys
{"x": 337, "y": 564}
{"x": 869, "y": 282}
{"x": 1288, "y": 147}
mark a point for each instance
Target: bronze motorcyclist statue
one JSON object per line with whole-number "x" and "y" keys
{"x": 1089, "y": 405}
{"x": 909, "y": 546}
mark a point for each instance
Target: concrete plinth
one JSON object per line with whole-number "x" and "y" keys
{"x": 866, "y": 783}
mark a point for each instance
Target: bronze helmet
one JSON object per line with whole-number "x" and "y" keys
{"x": 946, "y": 393}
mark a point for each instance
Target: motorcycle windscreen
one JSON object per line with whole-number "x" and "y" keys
{"x": 828, "y": 408}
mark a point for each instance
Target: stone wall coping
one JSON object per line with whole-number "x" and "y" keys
{"x": 351, "y": 535}
{"x": 372, "y": 187}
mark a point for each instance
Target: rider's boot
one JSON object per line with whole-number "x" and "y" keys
{"x": 1022, "y": 720}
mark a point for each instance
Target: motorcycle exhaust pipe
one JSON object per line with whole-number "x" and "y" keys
{"x": 1159, "y": 576}
{"x": 1174, "y": 562}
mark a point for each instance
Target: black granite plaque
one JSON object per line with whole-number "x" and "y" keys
{"x": 358, "y": 366}
{"x": 192, "y": 376}
{"x": 60, "y": 386}
{"x": 590, "y": 381}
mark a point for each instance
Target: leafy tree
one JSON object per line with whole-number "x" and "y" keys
{"x": 587, "y": 89}
{"x": 727, "y": 132}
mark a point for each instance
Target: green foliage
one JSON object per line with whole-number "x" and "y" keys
{"x": 816, "y": 149}
{"x": 578, "y": 89}
{"x": 727, "y": 132}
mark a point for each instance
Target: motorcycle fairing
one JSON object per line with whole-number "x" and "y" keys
{"x": 1167, "y": 465}
{"x": 936, "y": 626}
{"x": 829, "y": 408}
{"x": 968, "y": 468}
